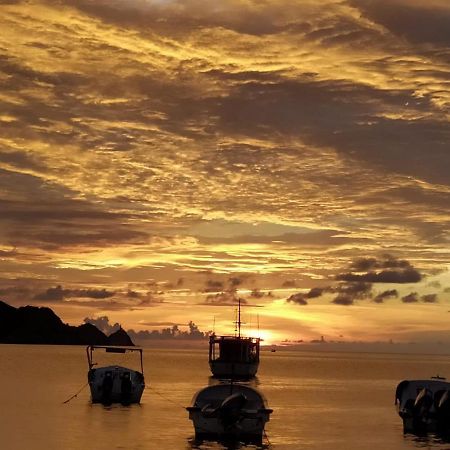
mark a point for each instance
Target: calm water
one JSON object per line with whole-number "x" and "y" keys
{"x": 333, "y": 401}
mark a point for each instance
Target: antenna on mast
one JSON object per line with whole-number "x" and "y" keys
{"x": 257, "y": 319}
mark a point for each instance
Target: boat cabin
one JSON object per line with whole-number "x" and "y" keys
{"x": 232, "y": 349}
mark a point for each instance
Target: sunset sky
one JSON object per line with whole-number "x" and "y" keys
{"x": 160, "y": 159}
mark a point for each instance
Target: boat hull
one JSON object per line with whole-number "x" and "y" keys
{"x": 249, "y": 430}
{"x": 424, "y": 406}
{"x": 115, "y": 384}
{"x": 233, "y": 370}
{"x": 229, "y": 412}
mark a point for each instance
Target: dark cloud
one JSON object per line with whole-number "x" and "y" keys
{"x": 256, "y": 293}
{"x": 392, "y": 293}
{"x": 224, "y": 298}
{"x": 16, "y": 292}
{"x": 179, "y": 18}
{"x": 234, "y": 282}
{"x": 54, "y": 294}
{"x": 392, "y": 270}
{"x": 213, "y": 286}
{"x": 384, "y": 276}
{"x": 347, "y": 116}
{"x": 429, "y": 298}
{"x": 89, "y": 293}
{"x": 413, "y": 297}
{"x": 48, "y": 218}
{"x": 316, "y": 292}
{"x": 132, "y": 294}
{"x": 299, "y": 299}
{"x": 424, "y": 22}
{"x": 344, "y": 300}
{"x": 385, "y": 262}
{"x": 349, "y": 292}
{"x": 359, "y": 285}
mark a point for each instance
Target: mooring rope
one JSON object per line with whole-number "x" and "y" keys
{"x": 266, "y": 437}
{"x": 74, "y": 395}
{"x": 165, "y": 398}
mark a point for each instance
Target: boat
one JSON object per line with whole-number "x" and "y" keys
{"x": 115, "y": 384}
{"x": 229, "y": 412}
{"x": 424, "y": 405}
{"x": 234, "y": 357}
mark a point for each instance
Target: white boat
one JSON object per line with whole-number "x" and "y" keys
{"x": 115, "y": 384}
{"x": 229, "y": 411}
{"x": 234, "y": 357}
{"x": 424, "y": 405}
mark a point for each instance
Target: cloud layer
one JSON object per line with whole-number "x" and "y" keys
{"x": 270, "y": 142}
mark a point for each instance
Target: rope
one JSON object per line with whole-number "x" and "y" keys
{"x": 74, "y": 395}
{"x": 165, "y": 398}
{"x": 266, "y": 437}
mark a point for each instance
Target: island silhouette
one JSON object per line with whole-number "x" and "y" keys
{"x": 40, "y": 325}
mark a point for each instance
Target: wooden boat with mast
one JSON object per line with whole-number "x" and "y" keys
{"x": 234, "y": 357}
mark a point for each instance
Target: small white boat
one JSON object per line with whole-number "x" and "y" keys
{"x": 115, "y": 384}
{"x": 229, "y": 411}
{"x": 234, "y": 357}
{"x": 424, "y": 405}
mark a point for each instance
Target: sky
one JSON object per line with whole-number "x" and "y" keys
{"x": 161, "y": 159}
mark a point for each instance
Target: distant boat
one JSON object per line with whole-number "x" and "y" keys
{"x": 234, "y": 357}
{"x": 115, "y": 384}
{"x": 229, "y": 411}
{"x": 424, "y": 405}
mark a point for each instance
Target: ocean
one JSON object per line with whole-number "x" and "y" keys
{"x": 326, "y": 401}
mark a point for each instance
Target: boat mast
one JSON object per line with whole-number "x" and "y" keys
{"x": 257, "y": 318}
{"x": 239, "y": 317}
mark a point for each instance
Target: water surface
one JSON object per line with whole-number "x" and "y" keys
{"x": 326, "y": 401}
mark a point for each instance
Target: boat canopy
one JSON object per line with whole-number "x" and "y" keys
{"x": 112, "y": 349}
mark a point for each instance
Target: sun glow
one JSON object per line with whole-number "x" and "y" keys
{"x": 267, "y": 337}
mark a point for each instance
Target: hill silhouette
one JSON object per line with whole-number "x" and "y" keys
{"x": 40, "y": 325}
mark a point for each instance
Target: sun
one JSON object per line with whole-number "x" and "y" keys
{"x": 267, "y": 337}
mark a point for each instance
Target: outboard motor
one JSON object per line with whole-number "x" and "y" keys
{"x": 125, "y": 388}
{"x": 230, "y": 410}
{"x": 405, "y": 410}
{"x": 107, "y": 387}
{"x": 421, "y": 410}
{"x": 399, "y": 391}
{"x": 91, "y": 375}
{"x": 442, "y": 405}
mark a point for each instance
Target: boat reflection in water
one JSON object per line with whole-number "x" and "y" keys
{"x": 229, "y": 412}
